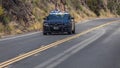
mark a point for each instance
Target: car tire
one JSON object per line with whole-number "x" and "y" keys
{"x": 70, "y": 32}
{"x": 73, "y": 31}
{"x": 44, "y": 33}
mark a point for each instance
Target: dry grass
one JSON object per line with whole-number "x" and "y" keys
{"x": 12, "y": 29}
{"x": 88, "y": 12}
{"x": 82, "y": 15}
{"x": 1, "y": 30}
{"x": 36, "y": 26}
{"x": 108, "y": 14}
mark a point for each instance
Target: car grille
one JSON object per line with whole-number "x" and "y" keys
{"x": 56, "y": 24}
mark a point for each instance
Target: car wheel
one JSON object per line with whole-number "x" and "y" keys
{"x": 73, "y": 31}
{"x": 44, "y": 33}
{"x": 70, "y": 32}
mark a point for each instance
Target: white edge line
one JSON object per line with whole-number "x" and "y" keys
{"x": 20, "y": 36}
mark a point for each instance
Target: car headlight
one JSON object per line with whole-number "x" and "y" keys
{"x": 46, "y": 24}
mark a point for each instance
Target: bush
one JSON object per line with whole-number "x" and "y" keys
{"x": 6, "y": 20}
{"x": 1, "y": 28}
{"x": 1, "y": 10}
{"x": 95, "y": 6}
{"x": 118, "y": 12}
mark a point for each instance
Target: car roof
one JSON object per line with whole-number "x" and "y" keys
{"x": 57, "y": 12}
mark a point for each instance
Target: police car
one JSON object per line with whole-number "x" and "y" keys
{"x": 58, "y": 22}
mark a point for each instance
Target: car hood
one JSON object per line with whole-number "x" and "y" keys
{"x": 57, "y": 21}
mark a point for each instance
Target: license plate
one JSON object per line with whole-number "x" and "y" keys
{"x": 56, "y": 28}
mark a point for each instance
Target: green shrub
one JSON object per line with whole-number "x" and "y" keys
{"x": 95, "y": 6}
{"x": 6, "y": 20}
{"x": 118, "y": 11}
{"x": 110, "y": 5}
{"x": 1, "y": 10}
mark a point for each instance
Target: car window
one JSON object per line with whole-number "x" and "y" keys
{"x": 59, "y": 17}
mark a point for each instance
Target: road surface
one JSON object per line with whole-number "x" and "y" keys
{"x": 96, "y": 44}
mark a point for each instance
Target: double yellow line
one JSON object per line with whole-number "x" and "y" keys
{"x": 43, "y": 48}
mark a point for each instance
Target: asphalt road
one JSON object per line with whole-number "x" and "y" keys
{"x": 99, "y": 48}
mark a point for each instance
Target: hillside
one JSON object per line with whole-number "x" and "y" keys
{"x": 19, "y": 16}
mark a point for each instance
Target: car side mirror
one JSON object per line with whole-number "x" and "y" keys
{"x": 72, "y": 18}
{"x": 44, "y": 18}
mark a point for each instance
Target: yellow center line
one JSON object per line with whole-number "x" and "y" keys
{"x": 43, "y": 48}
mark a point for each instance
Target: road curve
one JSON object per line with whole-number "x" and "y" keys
{"x": 97, "y": 49}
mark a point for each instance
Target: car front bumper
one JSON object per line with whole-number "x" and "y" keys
{"x": 56, "y": 28}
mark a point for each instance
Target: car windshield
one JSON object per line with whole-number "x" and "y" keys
{"x": 58, "y": 17}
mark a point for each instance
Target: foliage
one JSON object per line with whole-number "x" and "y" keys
{"x": 118, "y": 11}
{"x": 1, "y": 28}
{"x": 1, "y": 10}
{"x": 114, "y": 6}
{"x": 6, "y": 20}
{"x": 94, "y": 6}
